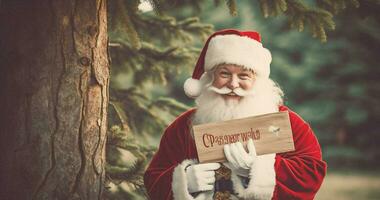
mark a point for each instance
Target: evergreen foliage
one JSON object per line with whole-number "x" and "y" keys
{"x": 126, "y": 160}
{"x": 334, "y": 85}
{"x": 299, "y": 14}
{"x": 352, "y": 74}
{"x": 146, "y": 49}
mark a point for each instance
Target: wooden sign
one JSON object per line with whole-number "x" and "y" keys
{"x": 271, "y": 133}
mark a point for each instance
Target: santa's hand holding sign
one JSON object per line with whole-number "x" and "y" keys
{"x": 231, "y": 81}
{"x": 239, "y": 161}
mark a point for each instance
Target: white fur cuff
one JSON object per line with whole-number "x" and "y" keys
{"x": 262, "y": 179}
{"x": 179, "y": 184}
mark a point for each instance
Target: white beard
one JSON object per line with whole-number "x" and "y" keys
{"x": 265, "y": 97}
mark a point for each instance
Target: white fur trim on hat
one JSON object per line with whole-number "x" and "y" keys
{"x": 262, "y": 179}
{"x": 179, "y": 184}
{"x": 239, "y": 50}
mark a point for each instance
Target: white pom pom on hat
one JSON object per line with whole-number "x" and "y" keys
{"x": 233, "y": 47}
{"x": 193, "y": 87}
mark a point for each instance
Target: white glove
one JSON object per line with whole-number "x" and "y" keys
{"x": 201, "y": 177}
{"x": 238, "y": 159}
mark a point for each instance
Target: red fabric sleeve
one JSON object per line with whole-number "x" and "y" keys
{"x": 174, "y": 148}
{"x": 299, "y": 174}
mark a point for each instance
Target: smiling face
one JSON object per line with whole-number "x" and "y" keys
{"x": 232, "y": 92}
{"x": 233, "y": 77}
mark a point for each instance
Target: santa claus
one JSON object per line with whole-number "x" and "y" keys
{"x": 231, "y": 81}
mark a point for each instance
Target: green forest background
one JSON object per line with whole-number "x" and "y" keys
{"x": 331, "y": 79}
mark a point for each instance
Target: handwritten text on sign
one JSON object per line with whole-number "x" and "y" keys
{"x": 271, "y": 133}
{"x": 209, "y": 139}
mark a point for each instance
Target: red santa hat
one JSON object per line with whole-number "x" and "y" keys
{"x": 232, "y": 47}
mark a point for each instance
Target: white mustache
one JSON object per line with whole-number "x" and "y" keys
{"x": 225, "y": 90}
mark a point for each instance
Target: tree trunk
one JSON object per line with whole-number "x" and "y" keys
{"x": 54, "y": 76}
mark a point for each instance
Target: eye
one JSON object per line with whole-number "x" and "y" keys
{"x": 244, "y": 76}
{"x": 225, "y": 74}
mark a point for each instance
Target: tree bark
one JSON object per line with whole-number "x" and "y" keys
{"x": 54, "y": 76}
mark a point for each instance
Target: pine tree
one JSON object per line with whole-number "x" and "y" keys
{"x": 147, "y": 48}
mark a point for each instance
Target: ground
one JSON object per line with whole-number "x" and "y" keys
{"x": 346, "y": 185}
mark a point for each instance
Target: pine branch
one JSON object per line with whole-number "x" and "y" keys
{"x": 151, "y": 63}
{"x": 132, "y": 174}
{"x": 122, "y": 116}
{"x": 137, "y": 104}
{"x": 119, "y": 172}
{"x": 272, "y": 7}
{"x": 317, "y": 19}
{"x": 335, "y": 6}
{"x": 231, "y": 4}
{"x": 124, "y": 22}
{"x": 169, "y": 105}
{"x": 117, "y": 137}
{"x": 171, "y": 29}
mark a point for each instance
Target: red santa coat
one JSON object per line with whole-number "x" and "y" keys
{"x": 292, "y": 175}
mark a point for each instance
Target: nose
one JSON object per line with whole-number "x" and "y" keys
{"x": 233, "y": 83}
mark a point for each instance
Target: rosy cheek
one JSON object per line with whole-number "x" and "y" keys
{"x": 251, "y": 85}
{"x": 218, "y": 83}
{"x": 247, "y": 85}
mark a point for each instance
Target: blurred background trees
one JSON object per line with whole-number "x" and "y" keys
{"x": 330, "y": 80}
